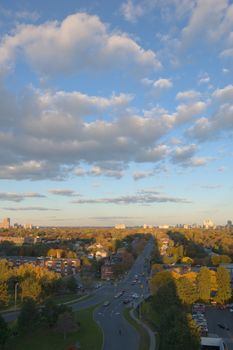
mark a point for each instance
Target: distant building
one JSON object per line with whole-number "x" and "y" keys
{"x": 107, "y": 272}
{"x": 164, "y": 226}
{"x": 28, "y": 226}
{"x": 65, "y": 266}
{"x": 6, "y": 223}
{"x": 120, "y": 227}
{"x": 145, "y": 226}
{"x": 208, "y": 224}
{"x": 229, "y": 223}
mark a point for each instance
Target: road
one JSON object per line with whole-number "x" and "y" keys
{"x": 224, "y": 317}
{"x": 118, "y": 333}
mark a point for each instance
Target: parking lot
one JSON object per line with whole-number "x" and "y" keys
{"x": 220, "y": 322}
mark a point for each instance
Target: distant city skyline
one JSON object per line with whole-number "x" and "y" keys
{"x": 117, "y": 113}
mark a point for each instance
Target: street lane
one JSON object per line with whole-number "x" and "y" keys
{"x": 118, "y": 334}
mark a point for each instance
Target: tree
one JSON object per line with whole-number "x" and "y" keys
{"x": 4, "y": 296}
{"x": 4, "y": 332}
{"x": 204, "y": 284}
{"x": 30, "y": 288}
{"x": 186, "y": 291}
{"x": 224, "y": 285}
{"x": 177, "y": 331}
{"x": 71, "y": 284}
{"x": 66, "y": 323}
{"x": 28, "y": 317}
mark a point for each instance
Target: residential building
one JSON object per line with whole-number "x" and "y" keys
{"x": 120, "y": 227}
{"x": 6, "y": 223}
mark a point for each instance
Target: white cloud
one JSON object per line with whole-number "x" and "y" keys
{"x": 185, "y": 112}
{"x": 80, "y": 42}
{"x": 169, "y": 10}
{"x": 204, "y": 79}
{"x": 221, "y": 121}
{"x": 183, "y": 154}
{"x": 227, "y": 53}
{"x": 131, "y": 11}
{"x": 162, "y": 83}
{"x": 225, "y": 94}
{"x": 211, "y": 19}
{"x": 188, "y": 95}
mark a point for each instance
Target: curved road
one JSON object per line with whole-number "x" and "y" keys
{"x": 118, "y": 333}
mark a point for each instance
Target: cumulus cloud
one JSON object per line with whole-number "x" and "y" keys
{"x": 209, "y": 128}
{"x": 18, "y": 197}
{"x": 188, "y": 95}
{"x": 185, "y": 112}
{"x": 225, "y": 94}
{"x": 183, "y": 154}
{"x": 138, "y": 198}
{"x": 162, "y": 83}
{"x": 80, "y": 42}
{"x": 211, "y": 19}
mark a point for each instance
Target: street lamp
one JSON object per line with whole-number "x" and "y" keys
{"x": 16, "y": 287}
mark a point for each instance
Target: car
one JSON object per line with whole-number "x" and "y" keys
{"x": 126, "y": 301}
{"x": 221, "y": 326}
{"x": 106, "y": 303}
{"x": 135, "y": 295}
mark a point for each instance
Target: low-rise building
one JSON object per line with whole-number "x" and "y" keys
{"x": 64, "y": 266}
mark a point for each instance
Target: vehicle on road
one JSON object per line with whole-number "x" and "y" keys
{"x": 106, "y": 303}
{"x": 126, "y": 301}
{"x": 221, "y": 326}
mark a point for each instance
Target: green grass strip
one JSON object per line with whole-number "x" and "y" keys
{"x": 144, "y": 336}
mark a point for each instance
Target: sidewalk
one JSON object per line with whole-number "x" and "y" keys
{"x": 149, "y": 331}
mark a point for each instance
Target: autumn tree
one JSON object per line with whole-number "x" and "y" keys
{"x": 30, "y": 288}
{"x": 204, "y": 284}
{"x": 4, "y": 296}
{"x": 186, "y": 291}
{"x": 224, "y": 285}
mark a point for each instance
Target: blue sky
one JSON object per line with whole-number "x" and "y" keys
{"x": 116, "y": 111}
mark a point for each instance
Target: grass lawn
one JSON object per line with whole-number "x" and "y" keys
{"x": 88, "y": 337}
{"x": 144, "y": 336}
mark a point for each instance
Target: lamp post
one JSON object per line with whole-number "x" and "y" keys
{"x": 16, "y": 288}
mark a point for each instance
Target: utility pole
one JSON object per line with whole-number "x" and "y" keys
{"x": 16, "y": 288}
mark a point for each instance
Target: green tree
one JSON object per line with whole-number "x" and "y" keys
{"x": 66, "y": 323}
{"x": 28, "y": 317}
{"x": 4, "y": 332}
{"x": 71, "y": 284}
{"x": 204, "y": 284}
{"x": 177, "y": 331}
{"x": 30, "y": 288}
{"x": 224, "y": 285}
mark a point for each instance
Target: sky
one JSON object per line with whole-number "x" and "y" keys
{"x": 116, "y": 112}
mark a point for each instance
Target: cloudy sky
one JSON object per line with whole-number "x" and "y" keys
{"x": 116, "y": 111}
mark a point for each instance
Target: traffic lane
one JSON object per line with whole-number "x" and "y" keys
{"x": 223, "y": 317}
{"x": 118, "y": 334}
